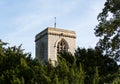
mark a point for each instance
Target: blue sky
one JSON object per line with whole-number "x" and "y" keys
{"x": 21, "y": 20}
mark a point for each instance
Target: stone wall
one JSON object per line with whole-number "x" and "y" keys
{"x": 50, "y": 37}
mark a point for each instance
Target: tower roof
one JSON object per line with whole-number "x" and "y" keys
{"x": 56, "y": 31}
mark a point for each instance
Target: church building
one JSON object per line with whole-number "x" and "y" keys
{"x": 52, "y": 41}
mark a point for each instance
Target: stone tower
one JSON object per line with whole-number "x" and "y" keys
{"x": 52, "y": 41}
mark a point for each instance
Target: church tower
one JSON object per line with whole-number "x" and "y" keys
{"x": 51, "y": 41}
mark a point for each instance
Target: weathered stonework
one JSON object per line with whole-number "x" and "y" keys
{"x": 47, "y": 43}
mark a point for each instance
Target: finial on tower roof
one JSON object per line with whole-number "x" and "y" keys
{"x": 55, "y": 22}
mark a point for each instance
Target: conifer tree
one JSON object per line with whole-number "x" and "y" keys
{"x": 96, "y": 76}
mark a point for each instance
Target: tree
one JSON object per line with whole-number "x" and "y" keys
{"x": 88, "y": 66}
{"x": 116, "y": 81}
{"x": 96, "y": 77}
{"x": 108, "y": 29}
{"x": 92, "y": 58}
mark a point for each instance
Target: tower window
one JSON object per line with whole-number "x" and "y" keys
{"x": 62, "y": 46}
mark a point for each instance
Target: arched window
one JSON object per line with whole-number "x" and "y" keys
{"x": 62, "y": 46}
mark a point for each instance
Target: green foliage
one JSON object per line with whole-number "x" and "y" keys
{"x": 109, "y": 29}
{"x": 96, "y": 77}
{"x": 92, "y": 58}
{"x": 116, "y": 81}
{"x": 88, "y": 66}
{"x": 70, "y": 59}
{"x": 55, "y": 80}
